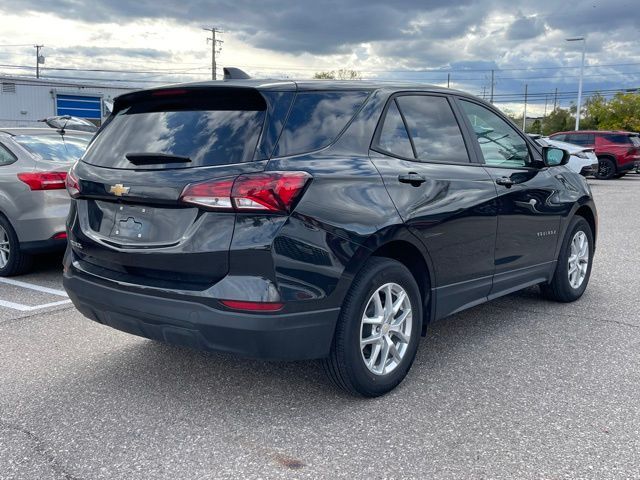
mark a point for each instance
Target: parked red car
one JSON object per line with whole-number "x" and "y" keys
{"x": 618, "y": 151}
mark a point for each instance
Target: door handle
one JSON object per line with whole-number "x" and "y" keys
{"x": 505, "y": 182}
{"x": 413, "y": 178}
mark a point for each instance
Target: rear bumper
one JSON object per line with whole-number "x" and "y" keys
{"x": 293, "y": 336}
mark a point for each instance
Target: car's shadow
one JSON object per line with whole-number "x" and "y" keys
{"x": 147, "y": 369}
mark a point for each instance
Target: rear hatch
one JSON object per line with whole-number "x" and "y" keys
{"x": 131, "y": 225}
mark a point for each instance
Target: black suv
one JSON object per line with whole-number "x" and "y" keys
{"x": 304, "y": 220}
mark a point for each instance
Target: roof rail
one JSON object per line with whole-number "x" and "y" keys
{"x": 233, "y": 73}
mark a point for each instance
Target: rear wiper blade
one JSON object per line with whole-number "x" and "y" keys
{"x": 155, "y": 158}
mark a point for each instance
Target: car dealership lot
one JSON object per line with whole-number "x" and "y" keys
{"x": 518, "y": 387}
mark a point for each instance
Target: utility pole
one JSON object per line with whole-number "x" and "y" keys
{"x": 484, "y": 91}
{"x": 492, "y": 83}
{"x": 214, "y": 48}
{"x": 39, "y": 59}
{"x": 448, "y": 79}
{"x": 555, "y": 100}
{"x": 524, "y": 116}
{"x": 544, "y": 117}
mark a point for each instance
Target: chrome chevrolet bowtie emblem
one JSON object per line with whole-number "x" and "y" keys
{"x": 118, "y": 189}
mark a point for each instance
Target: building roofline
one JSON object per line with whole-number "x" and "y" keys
{"x": 71, "y": 83}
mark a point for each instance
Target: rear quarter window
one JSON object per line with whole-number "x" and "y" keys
{"x": 316, "y": 119}
{"x": 6, "y": 157}
{"x": 617, "y": 138}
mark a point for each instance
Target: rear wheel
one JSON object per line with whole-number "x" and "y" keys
{"x": 606, "y": 168}
{"x": 378, "y": 330}
{"x": 12, "y": 260}
{"x": 574, "y": 264}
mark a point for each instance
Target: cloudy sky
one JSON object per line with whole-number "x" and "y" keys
{"x": 417, "y": 40}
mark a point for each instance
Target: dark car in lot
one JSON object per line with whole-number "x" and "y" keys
{"x": 316, "y": 220}
{"x": 618, "y": 151}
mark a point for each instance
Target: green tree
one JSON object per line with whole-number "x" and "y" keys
{"x": 594, "y": 112}
{"x": 536, "y": 126}
{"x": 622, "y": 113}
{"x": 558, "y": 120}
{"x": 341, "y": 74}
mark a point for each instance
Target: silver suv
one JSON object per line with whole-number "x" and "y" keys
{"x": 33, "y": 202}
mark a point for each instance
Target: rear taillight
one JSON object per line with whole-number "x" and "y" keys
{"x": 60, "y": 236}
{"x": 275, "y": 192}
{"x": 44, "y": 180}
{"x": 73, "y": 184}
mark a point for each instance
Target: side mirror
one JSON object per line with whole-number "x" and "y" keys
{"x": 553, "y": 156}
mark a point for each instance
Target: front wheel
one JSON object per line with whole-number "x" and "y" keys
{"x": 378, "y": 331}
{"x": 574, "y": 264}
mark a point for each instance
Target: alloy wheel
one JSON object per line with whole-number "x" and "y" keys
{"x": 385, "y": 329}
{"x": 605, "y": 170}
{"x": 578, "y": 259}
{"x": 4, "y": 247}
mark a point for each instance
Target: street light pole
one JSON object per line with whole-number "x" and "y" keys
{"x": 579, "y": 105}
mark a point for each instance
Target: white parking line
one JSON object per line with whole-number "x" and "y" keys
{"x": 31, "y": 286}
{"x": 29, "y": 308}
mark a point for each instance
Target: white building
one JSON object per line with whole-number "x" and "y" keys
{"x": 25, "y": 100}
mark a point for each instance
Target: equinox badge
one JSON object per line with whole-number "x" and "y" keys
{"x": 118, "y": 189}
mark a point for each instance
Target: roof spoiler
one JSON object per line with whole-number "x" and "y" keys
{"x": 233, "y": 73}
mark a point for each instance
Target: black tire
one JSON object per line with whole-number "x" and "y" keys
{"x": 18, "y": 262}
{"x": 345, "y": 365}
{"x": 606, "y": 169}
{"x": 560, "y": 289}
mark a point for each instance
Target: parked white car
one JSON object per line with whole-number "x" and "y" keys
{"x": 583, "y": 159}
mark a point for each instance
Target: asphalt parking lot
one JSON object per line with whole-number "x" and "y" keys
{"x": 516, "y": 388}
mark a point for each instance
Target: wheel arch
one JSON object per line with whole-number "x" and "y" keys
{"x": 587, "y": 213}
{"x": 398, "y": 243}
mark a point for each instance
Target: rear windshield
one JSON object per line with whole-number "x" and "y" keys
{"x": 635, "y": 140}
{"x": 208, "y": 136}
{"x": 59, "y": 148}
{"x": 316, "y": 119}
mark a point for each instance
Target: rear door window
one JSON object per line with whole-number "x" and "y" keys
{"x": 316, "y": 119}
{"x": 394, "y": 138}
{"x": 433, "y": 128}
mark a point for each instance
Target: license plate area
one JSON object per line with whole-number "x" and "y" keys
{"x": 134, "y": 223}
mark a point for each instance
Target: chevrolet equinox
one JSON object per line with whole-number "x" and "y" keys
{"x": 316, "y": 220}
